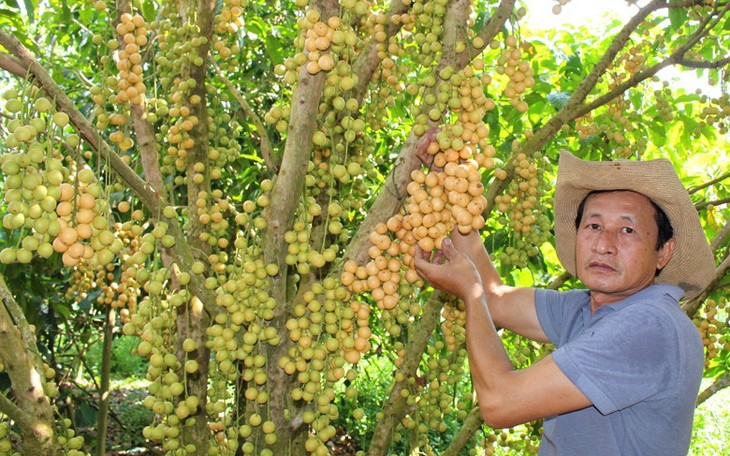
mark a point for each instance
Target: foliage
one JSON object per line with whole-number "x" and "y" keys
{"x": 124, "y": 364}
{"x": 710, "y": 432}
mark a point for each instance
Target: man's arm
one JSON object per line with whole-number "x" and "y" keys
{"x": 511, "y": 308}
{"x": 506, "y": 397}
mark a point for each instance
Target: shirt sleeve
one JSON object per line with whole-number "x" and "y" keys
{"x": 623, "y": 359}
{"x": 556, "y": 310}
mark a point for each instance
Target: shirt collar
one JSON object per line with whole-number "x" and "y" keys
{"x": 650, "y": 292}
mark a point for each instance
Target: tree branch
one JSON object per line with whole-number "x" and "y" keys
{"x": 674, "y": 58}
{"x": 367, "y": 61}
{"x": 43, "y": 79}
{"x": 495, "y": 24}
{"x": 721, "y": 237}
{"x": 27, "y": 377}
{"x": 692, "y": 306}
{"x": 718, "y": 202}
{"x": 14, "y": 412}
{"x": 285, "y": 198}
{"x": 472, "y": 424}
{"x": 709, "y": 183}
{"x": 560, "y": 280}
{"x": 574, "y": 106}
{"x": 12, "y": 65}
{"x": 718, "y": 385}
{"x": 146, "y": 191}
{"x": 703, "y": 64}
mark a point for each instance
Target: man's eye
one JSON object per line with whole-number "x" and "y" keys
{"x": 594, "y": 226}
{"x": 629, "y": 230}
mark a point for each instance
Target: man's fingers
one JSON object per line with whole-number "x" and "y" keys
{"x": 438, "y": 257}
{"x": 448, "y": 249}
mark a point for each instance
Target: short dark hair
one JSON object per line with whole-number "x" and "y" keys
{"x": 665, "y": 233}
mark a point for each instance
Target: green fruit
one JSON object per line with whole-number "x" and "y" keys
{"x": 42, "y": 105}
{"x": 10, "y": 93}
{"x": 24, "y": 256}
{"x": 45, "y": 250}
{"x": 60, "y": 119}
{"x": 7, "y": 255}
{"x": 14, "y": 105}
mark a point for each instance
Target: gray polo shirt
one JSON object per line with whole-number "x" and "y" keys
{"x": 640, "y": 363}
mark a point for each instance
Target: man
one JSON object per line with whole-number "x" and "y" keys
{"x": 628, "y": 361}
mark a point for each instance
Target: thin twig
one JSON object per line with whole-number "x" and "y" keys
{"x": 709, "y": 183}
{"x": 719, "y": 202}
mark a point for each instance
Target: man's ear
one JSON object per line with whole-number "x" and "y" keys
{"x": 666, "y": 252}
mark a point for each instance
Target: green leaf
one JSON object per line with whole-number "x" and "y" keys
{"x": 481, "y": 21}
{"x": 63, "y": 310}
{"x": 85, "y": 414}
{"x": 523, "y": 277}
{"x": 29, "y": 9}
{"x": 658, "y": 133}
{"x": 12, "y": 3}
{"x": 677, "y": 16}
{"x": 149, "y": 11}
{"x": 273, "y": 47}
{"x": 253, "y": 158}
{"x": 573, "y": 66}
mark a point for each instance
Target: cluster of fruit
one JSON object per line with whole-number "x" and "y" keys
{"x": 717, "y": 113}
{"x": 84, "y": 219}
{"x": 445, "y": 197}
{"x": 133, "y": 33}
{"x": 519, "y": 72}
{"x": 52, "y": 207}
{"x": 230, "y": 18}
{"x": 713, "y": 328}
{"x": 524, "y": 214}
{"x": 319, "y": 37}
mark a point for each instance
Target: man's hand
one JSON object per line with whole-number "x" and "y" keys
{"x": 427, "y": 146}
{"x": 450, "y": 270}
{"x": 470, "y": 243}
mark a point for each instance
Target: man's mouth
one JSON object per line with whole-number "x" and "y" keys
{"x": 600, "y": 266}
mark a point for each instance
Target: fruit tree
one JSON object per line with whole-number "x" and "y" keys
{"x": 241, "y": 184}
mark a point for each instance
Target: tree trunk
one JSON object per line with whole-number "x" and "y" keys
{"x": 27, "y": 403}
{"x": 106, "y": 368}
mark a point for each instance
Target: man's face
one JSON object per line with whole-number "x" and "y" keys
{"x": 615, "y": 251}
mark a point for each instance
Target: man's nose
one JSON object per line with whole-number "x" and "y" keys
{"x": 605, "y": 242}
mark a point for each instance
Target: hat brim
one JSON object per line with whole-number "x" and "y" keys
{"x": 692, "y": 265}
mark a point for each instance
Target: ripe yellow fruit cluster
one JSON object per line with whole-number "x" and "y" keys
{"x": 446, "y": 197}
{"x": 633, "y": 60}
{"x": 230, "y": 18}
{"x": 716, "y": 113}
{"x": 31, "y": 194}
{"x": 85, "y": 232}
{"x": 319, "y": 36}
{"x": 133, "y": 33}
{"x": 120, "y": 293}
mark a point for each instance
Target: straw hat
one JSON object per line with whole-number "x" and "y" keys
{"x": 692, "y": 265}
